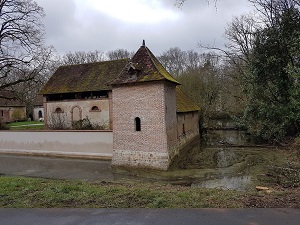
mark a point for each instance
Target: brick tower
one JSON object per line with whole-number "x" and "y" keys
{"x": 144, "y": 114}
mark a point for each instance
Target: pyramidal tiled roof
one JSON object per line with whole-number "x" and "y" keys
{"x": 143, "y": 67}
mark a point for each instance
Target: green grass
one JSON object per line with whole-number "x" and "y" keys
{"x": 47, "y": 193}
{"x": 26, "y": 125}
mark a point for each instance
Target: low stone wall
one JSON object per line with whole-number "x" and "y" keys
{"x": 90, "y": 144}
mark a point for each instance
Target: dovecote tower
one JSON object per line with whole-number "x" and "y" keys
{"x": 144, "y": 113}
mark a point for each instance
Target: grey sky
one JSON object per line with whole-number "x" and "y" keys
{"x": 104, "y": 25}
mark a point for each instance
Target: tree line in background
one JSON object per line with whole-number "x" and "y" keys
{"x": 254, "y": 78}
{"x": 265, "y": 48}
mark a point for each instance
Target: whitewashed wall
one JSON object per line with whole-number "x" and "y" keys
{"x": 100, "y": 117}
{"x": 36, "y": 113}
{"x": 59, "y": 143}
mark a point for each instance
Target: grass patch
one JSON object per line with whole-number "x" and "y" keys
{"x": 47, "y": 193}
{"x": 26, "y": 125}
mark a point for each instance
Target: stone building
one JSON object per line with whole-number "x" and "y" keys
{"x": 11, "y": 109}
{"x": 38, "y": 109}
{"x": 78, "y": 92}
{"x": 150, "y": 114}
{"x": 151, "y": 118}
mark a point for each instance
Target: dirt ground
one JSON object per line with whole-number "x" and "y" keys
{"x": 280, "y": 198}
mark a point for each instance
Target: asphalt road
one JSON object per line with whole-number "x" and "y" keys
{"x": 57, "y": 168}
{"x": 149, "y": 216}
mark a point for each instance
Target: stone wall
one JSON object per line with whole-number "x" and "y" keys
{"x": 74, "y": 110}
{"x": 12, "y": 113}
{"x": 152, "y": 103}
{"x": 94, "y": 144}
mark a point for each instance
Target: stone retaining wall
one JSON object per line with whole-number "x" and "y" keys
{"x": 94, "y": 144}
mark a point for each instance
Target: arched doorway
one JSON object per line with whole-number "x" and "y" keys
{"x": 76, "y": 114}
{"x": 40, "y": 114}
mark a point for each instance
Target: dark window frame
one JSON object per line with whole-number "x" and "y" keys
{"x": 137, "y": 122}
{"x": 40, "y": 114}
{"x": 95, "y": 109}
{"x": 58, "y": 110}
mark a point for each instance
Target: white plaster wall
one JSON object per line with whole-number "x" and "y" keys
{"x": 36, "y": 113}
{"x": 100, "y": 117}
{"x": 85, "y": 143}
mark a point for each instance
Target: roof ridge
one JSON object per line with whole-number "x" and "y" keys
{"x": 152, "y": 57}
{"x": 89, "y": 63}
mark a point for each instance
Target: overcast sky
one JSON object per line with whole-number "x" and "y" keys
{"x": 104, "y": 25}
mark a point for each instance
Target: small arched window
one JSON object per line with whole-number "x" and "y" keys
{"x": 95, "y": 108}
{"x": 137, "y": 122}
{"x": 58, "y": 110}
{"x": 40, "y": 114}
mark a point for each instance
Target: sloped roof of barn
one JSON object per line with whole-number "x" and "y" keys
{"x": 9, "y": 98}
{"x": 184, "y": 103}
{"x": 84, "y": 77}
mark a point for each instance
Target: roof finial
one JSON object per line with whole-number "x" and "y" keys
{"x": 144, "y": 43}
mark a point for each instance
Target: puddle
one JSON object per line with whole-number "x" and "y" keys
{"x": 241, "y": 183}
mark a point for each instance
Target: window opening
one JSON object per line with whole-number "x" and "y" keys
{"x": 95, "y": 108}
{"x": 40, "y": 114}
{"x": 58, "y": 110}
{"x": 137, "y": 124}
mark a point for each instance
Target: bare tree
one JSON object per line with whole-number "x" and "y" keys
{"x": 28, "y": 91}
{"x": 271, "y": 10}
{"x": 174, "y": 60}
{"x": 119, "y": 54}
{"x": 21, "y": 42}
{"x": 180, "y": 3}
{"x": 81, "y": 57}
{"x": 241, "y": 35}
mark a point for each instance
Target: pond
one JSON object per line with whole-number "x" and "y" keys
{"x": 224, "y": 167}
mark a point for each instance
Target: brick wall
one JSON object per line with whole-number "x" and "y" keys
{"x": 187, "y": 127}
{"x": 171, "y": 120}
{"x": 155, "y": 105}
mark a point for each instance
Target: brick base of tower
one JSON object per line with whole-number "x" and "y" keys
{"x": 140, "y": 159}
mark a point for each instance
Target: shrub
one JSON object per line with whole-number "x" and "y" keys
{"x": 4, "y": 126}
{"x": 86, "y": 124}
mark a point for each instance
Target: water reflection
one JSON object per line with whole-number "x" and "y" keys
{"x": 215, "y": 167}
{"x": 227, "y": 183}
{"x": 207, "y": 167}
